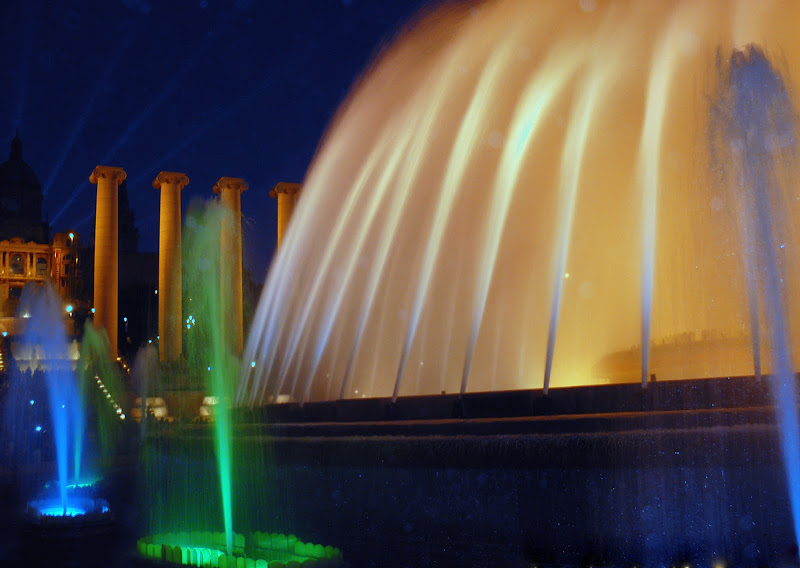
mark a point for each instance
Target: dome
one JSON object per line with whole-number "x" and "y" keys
{"x": 15, "y": 171}
{"x": 20, "y": 198}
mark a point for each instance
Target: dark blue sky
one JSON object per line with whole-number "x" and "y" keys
{"x": 242, "y": 88}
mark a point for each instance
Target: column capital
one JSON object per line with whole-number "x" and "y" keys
{"x": 286, "y": 188}
{"x": 107, "y": 172}
{"x": 230, "y": 183}
{"x": 178, "y": 178}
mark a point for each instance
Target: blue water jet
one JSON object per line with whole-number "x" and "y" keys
{"x": 753, "y": 134}
{"x": 45, "y": 341}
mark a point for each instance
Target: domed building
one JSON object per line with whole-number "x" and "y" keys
{"x": 21, "y": 200}
{"x": 27, "y": 254}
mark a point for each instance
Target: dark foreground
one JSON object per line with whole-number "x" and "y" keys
{"x": 672, "y": 477}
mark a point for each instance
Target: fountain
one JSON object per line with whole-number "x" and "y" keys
{"x": 176, "y": 509}
{"x": 591, "y": 202}
{"x": 529, "y": 209}
{"x": 71, "y": 504}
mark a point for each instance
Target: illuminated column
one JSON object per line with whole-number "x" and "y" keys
{"x": 287, "y": 194}
{"x": 230, "y": 192}
{"x": 106, "y": 250}
{"x": 170, "y": 318}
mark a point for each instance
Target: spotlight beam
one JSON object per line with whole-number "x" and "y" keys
{"x": 27, "y": 48}
{"x": 155, "y": 165}
{"x": 168, "y": 90}
{"x": 90, "y": 108}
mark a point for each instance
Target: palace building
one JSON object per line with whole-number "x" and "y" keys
{"x": 27, "y": 253}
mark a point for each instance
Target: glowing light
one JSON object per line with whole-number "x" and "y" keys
{"x": 81, "y": 484}
{"x": 5, "y": 334}
{"x": 31, "y": 401}
{"x": 38, "y": 428}
{"x": 61, "y": 512}
{"x": 92, "y": 310}
{"x": 72, "y": 235}
{"x": 253, "y": 364}
{"x": 125, "y": 319}
{"x": 69, "y": 308}
{"x": 122, "y": 417}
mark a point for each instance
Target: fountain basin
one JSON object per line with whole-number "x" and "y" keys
{"x": 260, "y": 549}
{"x": 82, "y": 513}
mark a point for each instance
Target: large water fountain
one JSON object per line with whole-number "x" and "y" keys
{"x": 525, "y": 196}
{"x": 531, "y": 204}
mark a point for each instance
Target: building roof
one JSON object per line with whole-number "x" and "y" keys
{"x": 20, "y": 198}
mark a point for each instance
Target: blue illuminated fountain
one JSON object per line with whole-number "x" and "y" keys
{"x": 45, "y": 345}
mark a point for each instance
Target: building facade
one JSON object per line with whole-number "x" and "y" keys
{"x": 27, "y": 254}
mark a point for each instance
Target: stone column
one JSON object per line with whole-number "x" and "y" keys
{"x": 106, "y": 251}
{"x": 230, "y": 192}
{"x": 287, "y": 194}
{"x": 170, "y": 318}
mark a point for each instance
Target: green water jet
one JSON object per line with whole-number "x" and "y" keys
{"x": 208, "y": 344}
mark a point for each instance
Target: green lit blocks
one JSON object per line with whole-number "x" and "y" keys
{"x": 266, "y": 550}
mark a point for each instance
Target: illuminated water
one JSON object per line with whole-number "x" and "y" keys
{"x": 76, "y": 505}
{"x": 44, "y": 338}
{"x": 537, "y": 196}
{"x": 754, "y": 145}
{"x": 531, "y": 206}
{"x": 103, "y": 391}
{"x": 207, "y": 346}
{"x": 61, "y": 512}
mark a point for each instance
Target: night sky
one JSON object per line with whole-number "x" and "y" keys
{"x": 241, "y": 88}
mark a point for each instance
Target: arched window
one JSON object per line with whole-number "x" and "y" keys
{"x": 41, "y": 266}
{"x": 17, "y": 264}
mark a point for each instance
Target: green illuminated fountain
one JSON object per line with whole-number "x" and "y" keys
{"x": 185, "y": 504}
{"x": 207, "y": 345}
